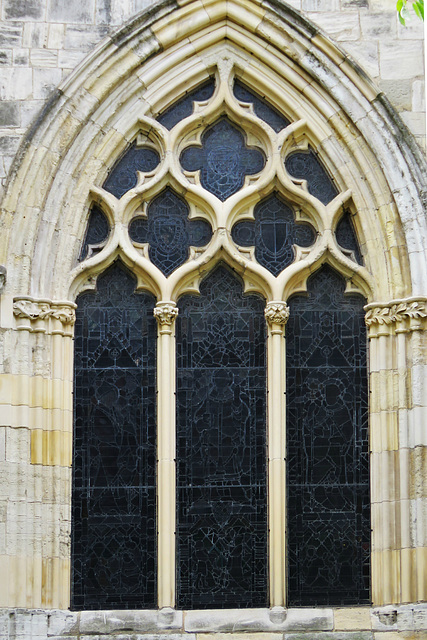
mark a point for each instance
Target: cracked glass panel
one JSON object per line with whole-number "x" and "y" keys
{"x": 221, "y": 447}
{"x": 97, "y": 232}
{"x": 184, "y": 107}
{"x": 327, "y": 446}
{"x": 305, "y": 165}
{"x": 346, "y": 236}
{"x": 169, "y": 231}
{"x": 262, "y": 108}
{"x": 123, "y": 176}
{"x": 273, "y": 234}
{"x": 114, "y": 463}
{"x": 223, "y": 160}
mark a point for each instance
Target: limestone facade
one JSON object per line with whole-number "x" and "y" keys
{"x": 88, "y": 77}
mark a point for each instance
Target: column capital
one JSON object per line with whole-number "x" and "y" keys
{"x": 410, "y": 311}
{"x": 165, "y": 312}
{"x": 276, "y": 313}
{"x": 31, "y": 313}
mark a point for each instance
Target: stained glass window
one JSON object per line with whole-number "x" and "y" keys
{"x": 123, "y": 175}
{"x": 221, "y": 447}
{"x": 273, "y": 234}
{"x": 327, "y": 446}
{"x": 305, "y": 165}
{"x": 169, "y": 232}
{"x": 97, "y": 231}
{"x": 184, "y": 107}
{"x": 224, "y": 159}
{"x": 346, "y": 236}
{"x": 114, "y": 495}
{"x": 262, "y": 108}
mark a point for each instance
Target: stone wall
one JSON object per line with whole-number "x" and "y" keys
{"x": 42, "y": 41}
{"x": 384, "y": 623}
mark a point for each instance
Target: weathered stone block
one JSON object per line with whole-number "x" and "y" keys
{"x": 35, "y": 34}
{"x": 341, "y": 26}
{"x": 21, "y": 57}
{"x": 377, "y": 25}
{"x": 43, "y": 58}
{"x": 320, "y": 5}
{"x": 6, "y": 57}
{"x": 350, "y": 618}
{"x": 84, "y": 37}
{"x": 9, "y": 114}
{"x": 16, "y": 84}
{"x": 23, "y": 9}
{"x": 104, "y": 622}
{"x": 257, "y": 620}
{"x": 394, "y": 58}
{"x": 45, "y": 80}
{"x": 75, "y": 11}
{"x": 11, "y": 35}
{"x": 62, "y": 623}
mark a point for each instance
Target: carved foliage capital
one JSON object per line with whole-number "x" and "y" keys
{"x": 396, "y": 312}
{"x": 42, "y": 310}
{"x": 166, "y": 313}
{"x": 276, "y": 313}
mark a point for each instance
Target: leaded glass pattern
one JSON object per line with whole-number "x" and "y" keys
{"x": 184, "y": 107}
{"x": 273, "y": 234}
{"x": 327, "y": 446}
{"x": 123, "y": 176}
{"x": 262, "y": 108}
{"x": 97, "y": 231}
{"x": 346, "y": 236}
{"x": 114, "y": 462}
{"x": 305, "y": 165}
{"x": 224, "y": 159}
{"x": 169, "y": 232}
{"x": 221, "y": 447}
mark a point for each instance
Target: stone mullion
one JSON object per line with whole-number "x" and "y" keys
{"x": 166, "y": 313}
{"x": 398, "y": 557}
{"x": 277, "y": 314}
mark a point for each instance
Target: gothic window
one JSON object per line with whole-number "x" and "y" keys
{"x": 187, "y": 464}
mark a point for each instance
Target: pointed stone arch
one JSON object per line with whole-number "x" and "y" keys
{"x": 113, "y": 96}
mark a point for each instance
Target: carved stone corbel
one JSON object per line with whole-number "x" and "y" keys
{"x": 166, "y": 313}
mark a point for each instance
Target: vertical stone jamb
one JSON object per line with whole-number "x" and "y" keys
{"x": 39, "y": 441}
{"x": 398, "y": 403}
{"x": 165, "y": 314}
{"x": 277, "y": 314}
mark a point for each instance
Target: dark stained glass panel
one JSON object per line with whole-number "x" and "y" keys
{"x": 169, "y": 232}
{"x": 305, "y": 165}
{"x": 221, "y": 447}
{"x": 262, "y": 108}
{"x": 114, "y": 464}
{"x": 97, "y": 231}
{"x": 184, "y": 107}
{"x": 327, "y": 446}
{"x": 224, "y": 159}
{"x": 346, "y": 236}
{"x": 273, "y": 234}
{"x": 123, "y": 176}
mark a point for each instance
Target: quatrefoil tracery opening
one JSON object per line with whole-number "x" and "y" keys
{"x": 224, "y": 160}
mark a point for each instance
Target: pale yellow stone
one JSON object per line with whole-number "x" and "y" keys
{"x": 385, "y": 571}
{"x": 368, "y": 90}
{"x": 109, "y": 74}
{"x": 351, "y": 619}
{"x": 183, "y": 22}
{"x": 51, "y": 448}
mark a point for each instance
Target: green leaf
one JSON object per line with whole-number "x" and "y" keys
{"x": 399, "y": 5}
{"x": 419, "y": 9}
{"x": 401, "y": 20}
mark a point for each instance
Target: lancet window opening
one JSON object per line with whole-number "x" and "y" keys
{"x": 216, "y": 457}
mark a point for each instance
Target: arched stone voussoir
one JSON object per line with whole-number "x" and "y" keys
{"x": 68, "y": 147}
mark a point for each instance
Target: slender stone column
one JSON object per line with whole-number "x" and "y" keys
{"x": 277, "y": 314}
{"x": 398, "y": 375}
{"x": 165, "y": 314}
